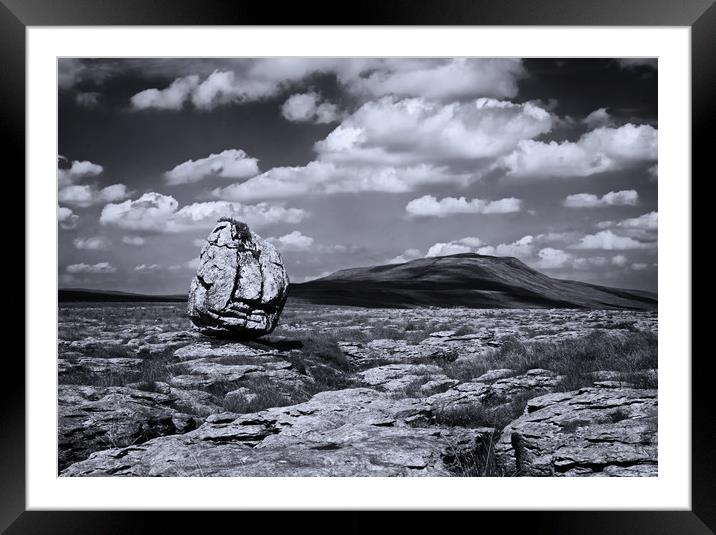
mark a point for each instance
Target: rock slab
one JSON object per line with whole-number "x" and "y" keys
{"x": 353, "y": 432}
{"x": 589, "y": 432}
{"x": 97, "y": 418}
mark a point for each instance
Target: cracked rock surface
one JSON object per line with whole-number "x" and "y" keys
{"x": 351, "y": 432}
{"x": 97, "y": 418}
{"x": 589, "y": 432}
{"x": 353, "y": 392}
{"x": 240, "y": 286}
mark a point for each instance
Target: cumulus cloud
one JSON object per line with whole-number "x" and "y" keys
{"x": 76, "y": 171}
{"x": 93, "y": 243}
{"x": 84, "y": 195}
{"x": 170, "y": 98}
{"x": 396, "y": 146}
{"x": 221, "y": 88}
{"x": 639, "y": 266}
{"x": 643, "y": 227}
{"x": 151, "y": 212}
{"x": 445, "y": 80}
{"x": 620, "y": 260}
{"x": 601, "y": 150}
{"x": 154, "y": 212}
{"x": 521, "y": 248}
{"x": 115, "y": 192}
{"x": 328, "y": 178}
{"x": 137, "y": 241}
{"x": 67, "y": 218}
{"x": 548, "y": 237}
{"x": 308, "y": 108}
{"x": 405, "y": 256}
{"x": 366, "y": 78}
{"x": 648, "y": 221}
{"x": 217, "y": 89}
{"x": 613, "y": 198}
{"x": 598, "y": 118}
{"x": 653, "y": 172}
{"x": 549, "y": 258}
{"x": 416, "y": 130}
{"x": 294, "y": 241}
{"x": 145, "y": 268}
{"x": 429, "y": 206}
{"x": 92, "y": 269}
{"x": 609, "y": 241}
{"x": 232, "y": 163}
{"x": 464, "y": 245}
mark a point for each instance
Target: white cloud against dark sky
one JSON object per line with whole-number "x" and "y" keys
{"x": 231, "y": 163}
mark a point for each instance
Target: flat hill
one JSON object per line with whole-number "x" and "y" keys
{"x": 466, "y": 280}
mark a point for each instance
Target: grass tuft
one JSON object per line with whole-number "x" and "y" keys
{"x": 320, "y": 346}
{"x": 573, "y": 358}
{"x": 264, "y": 396}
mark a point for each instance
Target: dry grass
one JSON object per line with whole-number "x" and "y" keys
{"x": 465, "y": 329}
{"x": 323, "y": 347}
{"x": 265, "y": 396}
{"x": 478, "y": 461}
{"x": 574, "y": 358}
{"x": 150, "y": 371}
{"x": 483, "y": 415}
{"x": 81, "y": 377}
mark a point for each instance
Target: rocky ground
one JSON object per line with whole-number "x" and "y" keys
{"x": 346, "y": 391}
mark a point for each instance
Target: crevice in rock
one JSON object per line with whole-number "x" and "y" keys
{"x": 205, "y": 285}
{"x": 599, "y": 467}
{"x": 327, "y": 447}
{"x": 251, "y": 440}
{"x": 117, "y": 469}
{"x": 237, "y": 281}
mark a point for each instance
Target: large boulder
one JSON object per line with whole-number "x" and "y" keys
{"x": 240, "y": 285}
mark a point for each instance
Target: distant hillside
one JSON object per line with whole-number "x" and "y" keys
{"x": 467, "y": 280}
{"x": 70, "y": 295}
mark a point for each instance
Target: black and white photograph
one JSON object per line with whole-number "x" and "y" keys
{"x": 357, "y": 266}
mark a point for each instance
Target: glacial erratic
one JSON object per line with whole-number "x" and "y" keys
{"x": 240, "y": 286}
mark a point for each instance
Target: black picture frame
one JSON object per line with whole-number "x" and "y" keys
{"x": 17, "y": 15}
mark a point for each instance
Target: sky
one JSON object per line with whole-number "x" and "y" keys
{"x": 348, "y": 162}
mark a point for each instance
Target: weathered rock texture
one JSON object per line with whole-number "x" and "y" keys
{"x": 589, "y": 432}
{"x": 96, "y": 418}
{"x": 354, "y": 432}
{"x": 240, "y": 285}
{"x": 191, "y": 405}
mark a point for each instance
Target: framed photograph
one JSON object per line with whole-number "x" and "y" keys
{"x": 418, "y": 259}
